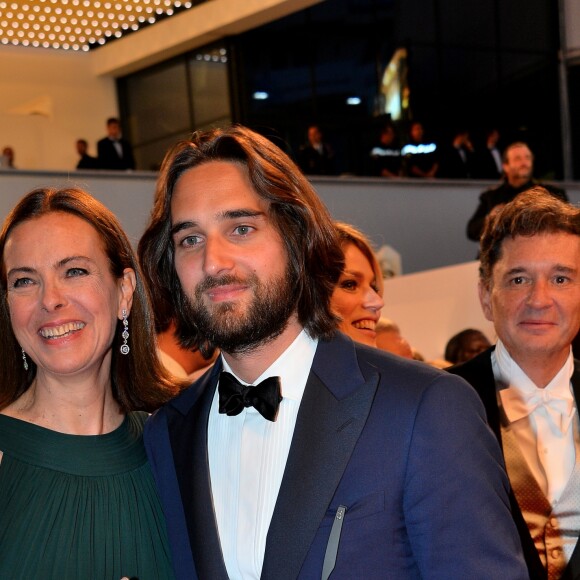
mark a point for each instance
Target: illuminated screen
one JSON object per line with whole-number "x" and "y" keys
{"x": 394, "y": 86}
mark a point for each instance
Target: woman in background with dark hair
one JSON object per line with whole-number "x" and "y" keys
{"x": 79, "y": 372}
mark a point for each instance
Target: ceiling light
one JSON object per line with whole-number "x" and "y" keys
{"x": 95, "y": 16}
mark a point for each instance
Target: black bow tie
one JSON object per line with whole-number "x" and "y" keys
{"x": 265, "y": 397}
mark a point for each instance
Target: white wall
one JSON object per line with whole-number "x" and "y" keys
{"x": 430, "y": 307}
{"x": 423, "y": 220}
{"x": 129, "y": 195}
{"x": 49, "y": 99}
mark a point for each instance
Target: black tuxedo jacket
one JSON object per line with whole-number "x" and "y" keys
{"x": 108, "y": 158}
{"x": 452, "y": 165}
{"x": 485, "y": 166}
{"x": 503, "y": 193}
{"x": 478, "y": 373}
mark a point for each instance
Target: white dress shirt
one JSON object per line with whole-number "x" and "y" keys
{"x": 247, "y": 456}
{"x": 541, "y": 420}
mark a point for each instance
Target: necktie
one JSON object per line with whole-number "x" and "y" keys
{"x": 265, "y": 397}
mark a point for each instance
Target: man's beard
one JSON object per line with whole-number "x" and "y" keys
{"x": 524, "y": 174}
{"x": 236, "y": 329}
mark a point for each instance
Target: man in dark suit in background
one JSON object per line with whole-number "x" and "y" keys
{"x": 316, "y": 156}
{"x": 301, "y": 453}
{"x": 85, "y": 161}
{"x": 529, "y": 382}
{"x": 518, "y": 168}
{"x": 113, "y": 151}
{"x": 457, "y": 158}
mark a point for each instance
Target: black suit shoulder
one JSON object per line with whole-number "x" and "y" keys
{"x": 555, "y": 191}
{"x": 88, "y": 162}
{"x": 474, "y": 371}
{"x": 503, "y": 193}
{"x": 108, "y": 157}
{"x": 478, "y": 372}
{"x": 453, "y": 166}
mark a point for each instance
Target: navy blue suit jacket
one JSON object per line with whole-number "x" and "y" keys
{"x": 403, "y": 446}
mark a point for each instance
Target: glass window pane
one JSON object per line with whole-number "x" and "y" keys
{"x": 150, "y": 156}
{"x": 157, "y": 101}
{"x": 210, "y": 92}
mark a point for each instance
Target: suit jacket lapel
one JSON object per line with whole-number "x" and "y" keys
{"x": 336, "y": 403}
{"x": 535, "y": 566}
{"x": 572, "y": 571}
{"x": 575, "y": 380}
{"x": 478, "y": 372}
{"x": 189, "y": 444}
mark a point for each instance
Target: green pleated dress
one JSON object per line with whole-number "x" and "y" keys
{"x": 79, "y": 507}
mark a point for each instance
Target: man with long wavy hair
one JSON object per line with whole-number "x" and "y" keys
{"x": 301, "y": 453}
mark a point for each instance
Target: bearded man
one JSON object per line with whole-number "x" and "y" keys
{"x": 518, "y": 169}
{"x": 301, "y": 454}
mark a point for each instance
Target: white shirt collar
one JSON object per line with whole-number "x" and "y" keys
{"x": 516, "y": 389}
{"x": 292, "y": 366}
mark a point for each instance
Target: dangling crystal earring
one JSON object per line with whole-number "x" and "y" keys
{"x": 24, "y": 360}
{"x": 125, "y": 347}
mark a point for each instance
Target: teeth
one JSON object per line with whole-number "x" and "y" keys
{"x": 365, "y": 324}
{"x": 62, "y": 330}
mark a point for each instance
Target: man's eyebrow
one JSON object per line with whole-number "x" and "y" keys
{"x": 558, "y": 268}
{"x": 225, "y": 215}
{"x": 179, "y": 226}
{"x": 563, "y": 268}
{"x": 237, "y": 213}
{"x": 515, "y": 270}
